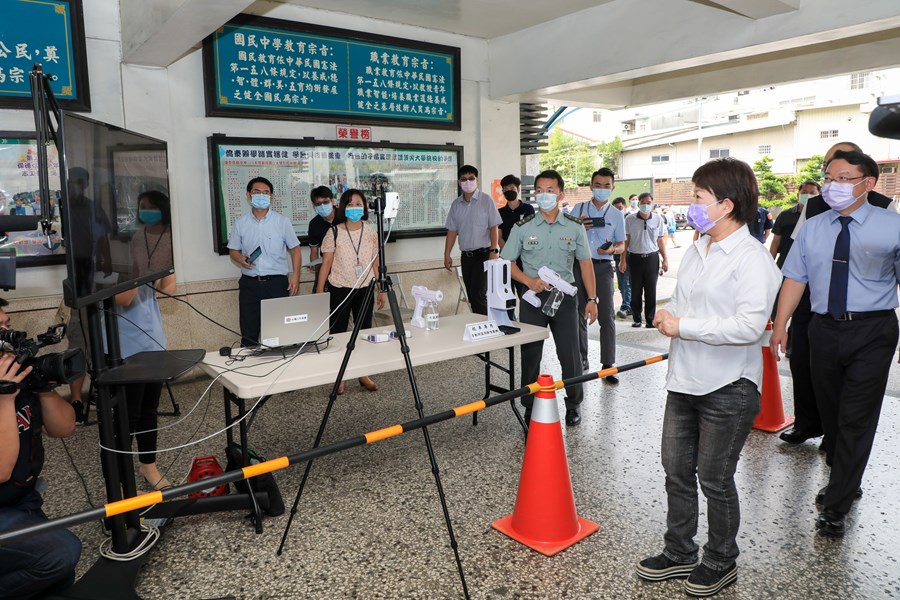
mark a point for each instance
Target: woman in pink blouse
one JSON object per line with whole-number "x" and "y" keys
{"x": 349, "y": 263}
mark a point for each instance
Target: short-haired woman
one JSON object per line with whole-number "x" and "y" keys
{"x": 349, "y": 263}
{"x": 726, "y": 286}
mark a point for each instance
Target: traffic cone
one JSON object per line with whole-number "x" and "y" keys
{"x": 544, "y": 518}
{"x": 771, "y": 408}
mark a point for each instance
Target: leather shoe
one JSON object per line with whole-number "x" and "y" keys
{"x": 650, "y": 325}
{"x": 572, "y": 417}
{"x": 793, "y": 436}
{"x": 610, "y": 379}
{"x": 830, "y": 523}
{"x": 820, "y": 497}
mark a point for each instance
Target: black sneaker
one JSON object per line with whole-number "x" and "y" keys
{"x": 707, "y": 581}
{"x": 659, "y": 568}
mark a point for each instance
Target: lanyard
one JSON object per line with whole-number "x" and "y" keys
{"x": 356, "y": 247}
{"x": 147, "y": 244}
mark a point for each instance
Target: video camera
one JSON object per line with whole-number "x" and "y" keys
{"x": 47, "y": 370}
{"x": 885, "y": 119}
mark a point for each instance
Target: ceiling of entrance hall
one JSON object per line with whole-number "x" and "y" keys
{"x": 477, "y": 18}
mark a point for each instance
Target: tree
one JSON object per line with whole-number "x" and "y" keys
{"x": 771, "y": 186}
{"x": 571, "y": 156}
{"x": 812, "y": 170}
{"x": 610, "y": 153}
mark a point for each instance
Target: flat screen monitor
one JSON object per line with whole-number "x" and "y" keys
{"x": 116, "y": 213}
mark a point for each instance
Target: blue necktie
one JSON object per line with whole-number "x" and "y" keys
{"x": 840, "y": 271}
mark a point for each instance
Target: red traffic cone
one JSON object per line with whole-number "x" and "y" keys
{"x": 544, "y": 518}
{"x": 771, "y": 408}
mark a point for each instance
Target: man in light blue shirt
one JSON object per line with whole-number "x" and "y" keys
{"x": 264, "y": 274}
{"x": 605, "y": 227}
{"x": 850, "y": 258}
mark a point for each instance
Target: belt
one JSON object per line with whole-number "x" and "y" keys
{"x": 646, "y": 255}
{"x": 858, "y": 316}
{"x": 262, "y": 277}
{"x": 476, "y": 252}
{"x": 597, "y": 261}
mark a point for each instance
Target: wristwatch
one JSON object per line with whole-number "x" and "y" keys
{"x": 8, "y": 387}
{"x": 595, "y": 300}
{"x": 494, "y": 251}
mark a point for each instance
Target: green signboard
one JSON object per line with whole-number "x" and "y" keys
{"x": 259, "y": 67}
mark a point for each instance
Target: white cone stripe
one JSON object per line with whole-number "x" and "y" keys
{"x": 544, "y": 410}
{"x": 766, "y": 338}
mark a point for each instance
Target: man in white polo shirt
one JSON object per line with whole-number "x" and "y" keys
{"x": 645, "y": 241}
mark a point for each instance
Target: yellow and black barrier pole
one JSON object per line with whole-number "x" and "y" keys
{"x": 276, "y": 464}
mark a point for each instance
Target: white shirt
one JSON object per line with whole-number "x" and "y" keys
{"x": 724, "y": 298}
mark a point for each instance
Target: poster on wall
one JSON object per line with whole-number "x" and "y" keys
{"x": 256, "y": 67}
{"x": 20, "y": 195}
{"x": 49, "y": 32}
{"x": 424, "y": 176}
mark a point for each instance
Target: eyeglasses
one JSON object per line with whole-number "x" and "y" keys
{"x": 841, "y": 178}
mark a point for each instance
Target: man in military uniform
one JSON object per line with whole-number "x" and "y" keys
{"x": 558, "y": 241}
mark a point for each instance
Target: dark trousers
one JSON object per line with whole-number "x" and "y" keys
{"x": 340, "y": 319}
{"x": 624, "y": 281}
{"x": 644, "y": 270}
{"x": 475, "y": 280}
{"x": 41, "y": 564}
{"x": 143, "y": 404}
{"x": 252, "y": 291}
{"x": 806, "y": 410}
{"x": 564, "y": 328}
{"x": 606, "y": 312}
{"x": 851, "y": 360}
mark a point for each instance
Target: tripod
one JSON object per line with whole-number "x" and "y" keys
{"x": 383, "y": 280}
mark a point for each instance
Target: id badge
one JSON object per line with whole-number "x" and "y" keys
{"x": 359, "y": 271}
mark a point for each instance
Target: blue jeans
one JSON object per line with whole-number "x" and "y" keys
{"x": 41, "y": 564}
{"x": 703, "y": 437}
{"x": 624, "y": 282}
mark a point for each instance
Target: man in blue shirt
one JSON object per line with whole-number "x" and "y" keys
{"x": 266, "y": 275}
{"x": 605, "y": 227}
{"x": 849, "y": 257}
{"x": 763, "y": 224}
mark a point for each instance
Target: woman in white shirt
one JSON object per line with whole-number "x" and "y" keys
{"x": 727, "y": 284}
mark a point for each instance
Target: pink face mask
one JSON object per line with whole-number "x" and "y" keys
{"x": 469, "y": 186}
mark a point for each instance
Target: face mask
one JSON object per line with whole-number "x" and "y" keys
{"x": 469, "y": 186}
{"x": 353, "y": 213}
{"x": 634, "y": 203}
{"x": 698, "y": 218}
{"x": 547, "y": 202}
{"x": 804, "y": 198}
{"x": 645, "y": 209}
{"x": 150, "y": 216}
{"x": 260, "y": 201}
{"x": 510, "y": 195}
{"x": 601, "y": 195}
{"x": 839, "y": 196}
{"x": 323, "y": 210}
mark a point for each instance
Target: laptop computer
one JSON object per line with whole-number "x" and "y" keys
{"x": 294, "y": 320}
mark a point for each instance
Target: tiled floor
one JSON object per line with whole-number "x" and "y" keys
{"x": 370, "y": 524}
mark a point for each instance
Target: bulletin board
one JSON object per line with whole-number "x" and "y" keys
{"x": 425, "y": 176}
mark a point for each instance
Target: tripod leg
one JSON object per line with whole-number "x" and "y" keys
{"x": 351, "y": 345}
{"x": 404, "y": 348}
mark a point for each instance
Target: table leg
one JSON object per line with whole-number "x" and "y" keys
{"x": 231, "y": 398}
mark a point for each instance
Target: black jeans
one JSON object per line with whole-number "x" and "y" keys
{"x": 475, "y": 280}
{"x": 143, "y": 404}
{"x": 252, "y": 291}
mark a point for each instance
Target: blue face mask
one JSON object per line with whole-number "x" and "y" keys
{"x": 547, "y": 202}
{"x": 353, "y": 213}
{"x": 260, "y": 201}
{"x": 601, "y": 195}
{"x": 323, "y": 210}
{"x": 645, "y": 209}
{"x": 149, "y": 216}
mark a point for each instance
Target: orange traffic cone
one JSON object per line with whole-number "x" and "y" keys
{"x": 771, "y": 408}
{"x": 544, "y": 518}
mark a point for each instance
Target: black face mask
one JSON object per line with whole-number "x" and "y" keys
{"x": 510, "y": 195}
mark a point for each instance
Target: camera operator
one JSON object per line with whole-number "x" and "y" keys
{"x": 47, "y": 562}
